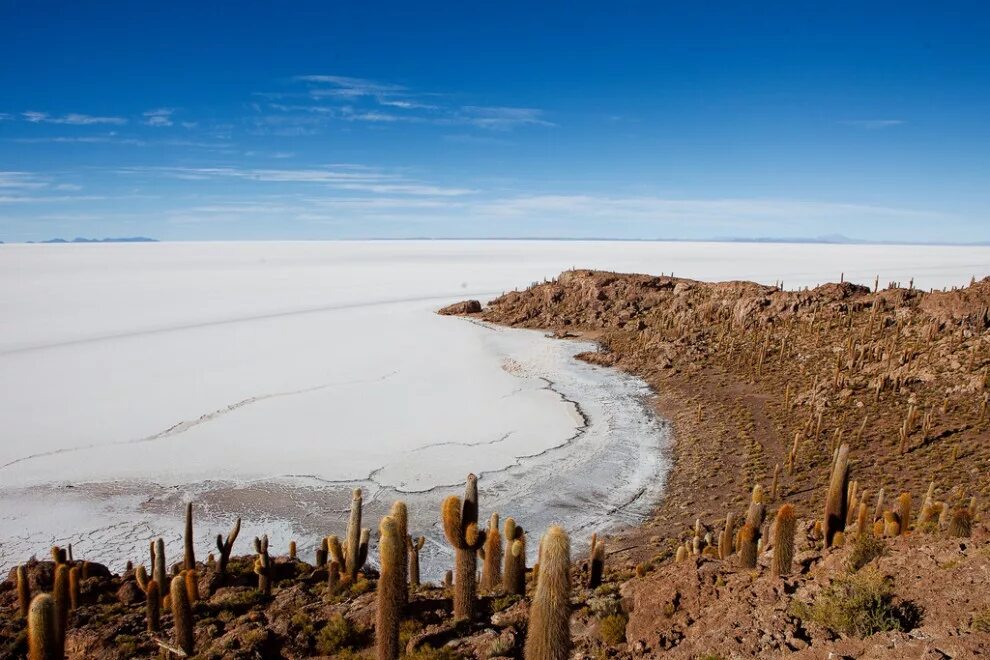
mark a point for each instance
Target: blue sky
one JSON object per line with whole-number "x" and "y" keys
{"x": 308, "y": 120}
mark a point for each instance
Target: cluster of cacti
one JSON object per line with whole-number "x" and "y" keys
{"x": 460, "y": 526}
{"x": 514, "y": 575}
{"x": 347, "y": 560}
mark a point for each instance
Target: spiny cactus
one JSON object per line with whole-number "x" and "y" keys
{"x": 333, "y": 576}
{"x": 45, "y": 642}
{"x": 400, "y": 514}
{"x": 514, "y": 577}
{"x": 322, "y": 552}
{"x": 835, "y": 502}
{"x": 491, "y": 553}
{"x": 861, "y": 521}
{"x": 58, "y": 555}
{"x": 192, "y": 586}
{"x": 460, "y": 526}
{"x": 182, "y": 617}
{"x": 775, "y": 485}
{"x": 153, "y": 607}
{"x": 891, "y": 525}
{"x": 725, "y": 545}
{"x": 263, "y": 565}
{"x": 878, "y": 509}
{"x": 158, "y": 572}
{"x": 839, "y": 540}
{"x": 23, "y": 591}
{"x": 904, "y": 511}
{"x": 783, "y": 540}
{"x": 961, "y": 523}
{"x": 747, "y": 546}
{"x": 448, "y": 580}
{"x": 292, "y": 549}
{"x": 352, "y": 555}
{"x": 74, "y": 587}
{"x": 414, "y": 548}
{"x": 60, "y": 593}
{"x": 597, "y": 567}
{"x": 682, "y": 553}
{"x": 548, "y": 636}
{"x": 391, "y": 589}
{"x": 189, "y": 557}
{"x": 226, "y": 546}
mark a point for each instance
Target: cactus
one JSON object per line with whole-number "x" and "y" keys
{"x": 514, "y": 577}
{"x": 775, "y": 485}
{"x": 861, "y": 522}
{"x": 182, "y": 615}
{"x": 757, "y": 511}
{"x": 335, "y": 553}
{"x": 226, "y": 546}
{"x": 448, "y": 580}
{"x": 960, "y": 526}
{"x": 878, "y": 509}
{"x": 158, "y": 563}
{"x": 548, "y": 636}
{"x": 747, "y": 546}
{"x": 192, "y": 586}
{"x": 682, "y": 553}
{"x": 597, "y": 567}
{"x": 58, "y": 555}
{"x": 835, "y": 503}
{"x": 292, "y": 550}
{"x": 352, "y": 553}
{"x": 390, "y": 595}
{"x": 189, "y": 557}
{"x": 60, "y": 594}
{"x": 460, "y": 526}
{"x": 44, "y": 639}
{"x": 74, "y": 587}
{"x": 783, "y": 541}
{"x": 400, "y": 514}
{"x": 322, "y": 552}
{"x": 153, "y": 607}
{"x": 414, "y": 548}
{"x": 725, "y": 540}
{"x": 491, "y": 553}
{"x": 333, "y": 576}
{"x": 23, "y": 591}
{"x": 904, "y": 511}
{"x": 263, "y": 565}
{"x": 891, "y": 525}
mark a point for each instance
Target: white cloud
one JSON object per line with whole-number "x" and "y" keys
{"x": 502, "y": 118}
{"x": 159, "y": 117}
{"x": 874, "y": 123}
{"x": 21, "y": 181}
{"x": 73, "y": 118}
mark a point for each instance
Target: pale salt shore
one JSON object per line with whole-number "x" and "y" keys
{"x": 267, "y": 379}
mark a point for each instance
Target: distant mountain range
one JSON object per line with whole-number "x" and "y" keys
{"x": 80, "y": 239}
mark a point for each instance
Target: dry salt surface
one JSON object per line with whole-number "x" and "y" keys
{"x": 266, "y": 380}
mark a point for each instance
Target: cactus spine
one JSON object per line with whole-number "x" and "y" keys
{"x": 189, "y": 557}
{"x": 391, "y": 589}
{"x": 414, "y": 548}
{"x": 44, "y": 640}
{"x": 783, "y": 541}
{"x": 835, "y": 503}
{"x": 153, "y": 607}
{"x": 460, "y": 526}
{"x": 23, "y": 591}
{"x": 182, "y": 615}
{"x": 491, "y": 569}
{"x": 549, "y": 635}
{"x": 226, "y": 546}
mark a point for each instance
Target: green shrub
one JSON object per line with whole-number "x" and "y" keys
{"x": 612, "y": 629}
{"x": 505, "y": 602}
{"x": 859, "y": 604}
{"x": 337, "y": 635}
{"x": 865, "y": 549}
{"x": 981, "y": 621}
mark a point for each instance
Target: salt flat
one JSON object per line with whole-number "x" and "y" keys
{"x": 266, "y": 379}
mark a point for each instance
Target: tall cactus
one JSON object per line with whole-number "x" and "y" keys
{"x": 400, "y": 514}
{"x": 783, "y": 541}
{"x": 414, "y": 548}
{"x": 904, "y": 511}
{"x": 60, "y": 593}
{"x": 491, "y": 569}
{"x": 835, "y": 502}
{"x": 182, "y": 615}
{"x": 226, "y": 546}
{"x": 45, "y": 642}
{"x": 189, "y": 558}
{"x": 74, "y": 573}
{"x": 747, "y": 546}
{"x": 549, "y": 634}
{"x": 263, "y": 565}
{"x": 391, "y": 589}
{"x": 158, "y": 572}
{"x": 23, "y": 591}
{"x": 597, "y": 567}
{"x": 353, "y": 549}
{"x": 961, "y": 523}
{"x": 514, "y": 575}
{"x": 460, "y": 525}
{"x": 153, "y": 606}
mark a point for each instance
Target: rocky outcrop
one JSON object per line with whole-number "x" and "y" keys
{"x": 463, "y": 307}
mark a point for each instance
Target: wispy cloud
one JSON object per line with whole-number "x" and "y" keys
{"x": 21, "y": 181}
{"x": 872, "y": 124}
{"x": 502, "y": 118}
{"x": 73, "y": 118}
{"x": 159, "y": 117}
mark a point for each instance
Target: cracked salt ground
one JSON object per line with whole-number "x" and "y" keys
{"x": 584, "y": 450}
